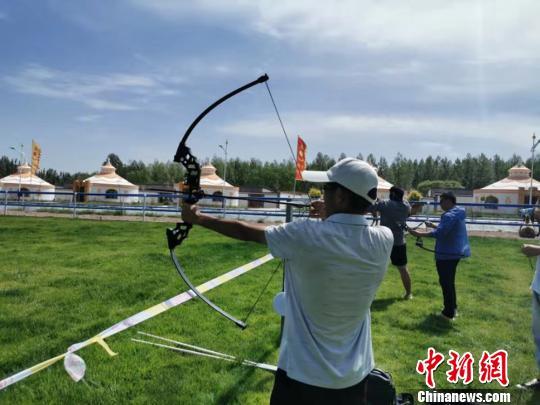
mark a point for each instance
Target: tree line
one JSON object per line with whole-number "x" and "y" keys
{"x": 469, "y": 172}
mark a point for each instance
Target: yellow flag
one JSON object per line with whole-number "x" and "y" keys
{"x": 36, "y": 156}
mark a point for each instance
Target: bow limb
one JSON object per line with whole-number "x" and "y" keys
{"x": 182, "y": 274}
{"x": 420, "y": 243}
{"x": 192, "y": 187}
{"x": 179, "y": 151}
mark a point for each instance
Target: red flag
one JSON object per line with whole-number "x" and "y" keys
{"x": 300, "y": 158}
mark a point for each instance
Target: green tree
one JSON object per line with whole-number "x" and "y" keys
{"x": 500, "y": 167}
{"x": 7, "y": 166}
{"x": 469, "y": 167}
{"x": 515, "y": 160}
{"x": 403, "y": 172}
{"x": 445, "y": 169}
{"x": 371, "y": 159}
{"x": 116, "y": 162}
{"x": 321, "y": 162}
{"x": 136, "y": 172}
{"x": 426, "y": 185}
{"x": 383, "y": 167}
{"x": 485, "y": 171}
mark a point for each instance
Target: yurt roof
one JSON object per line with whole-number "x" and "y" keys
{"x": 383, "y": 184}
{"x": 210, "y": 178}
{"x": 518, "y": 177}
{"x": 108, "y": 177}
{"x": 24, "y": 177}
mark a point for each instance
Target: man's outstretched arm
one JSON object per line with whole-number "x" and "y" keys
{"x": 246, "y": 231}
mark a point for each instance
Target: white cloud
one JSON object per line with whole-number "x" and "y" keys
{"x": 113, "y": 91}
{"x": 458, "y": 49}
{"x": 424, "y": 131}
{"x": 496, "y": 29}
{"x": 382, "y": 135}
{"x": 89, "y": 118}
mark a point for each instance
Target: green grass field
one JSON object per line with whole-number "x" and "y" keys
{"x": 63, "y": 281}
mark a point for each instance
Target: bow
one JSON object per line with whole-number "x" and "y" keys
{"x": 191, "y": 187}
{"x": 420, "y": 242}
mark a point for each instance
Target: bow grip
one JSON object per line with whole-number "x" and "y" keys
{"x": 175, "y": 236}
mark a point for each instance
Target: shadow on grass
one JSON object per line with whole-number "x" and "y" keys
{"x": 436, "y": 325}
{"x": 383, "y": 304}
{"x": 534, "y": 399}
{"x": 525, "y": 397}
{"x": 231, "y": 394}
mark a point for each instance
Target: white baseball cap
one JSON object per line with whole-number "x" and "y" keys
{"x": 354, "y": 174}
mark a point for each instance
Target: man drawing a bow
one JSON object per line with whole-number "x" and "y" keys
{"x": 334, "y": 267}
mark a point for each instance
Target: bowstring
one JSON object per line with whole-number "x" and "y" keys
{"x": 262, "y": 292}
{"x": 292, "y": 155}
{"x": 305, "y": 212}
{"x": 280, "y": 122}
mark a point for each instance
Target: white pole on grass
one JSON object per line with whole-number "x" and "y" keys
{"x": 144, "y": 207}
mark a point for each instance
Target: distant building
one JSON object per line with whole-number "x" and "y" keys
{"x": 26, "y": 182}
{"x": 462, "y": 195}
{"x": 114, "y": 187}
{"x": 513, "y": 189}
{"x": 298, "y": 197}
{"x": 257, "y": 193}
{"x": 159, "y": 193}
{"x": 215, "y": 187}
{"x": 383, "y": 188}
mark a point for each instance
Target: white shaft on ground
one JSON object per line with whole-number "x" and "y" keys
{"x": 199, "y": 351}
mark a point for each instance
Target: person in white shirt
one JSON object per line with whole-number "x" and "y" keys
{"x": 333, "y": 268}
{"x": 534, "y": 251}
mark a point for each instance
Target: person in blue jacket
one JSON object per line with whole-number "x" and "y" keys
{"x": 452, "y": 244}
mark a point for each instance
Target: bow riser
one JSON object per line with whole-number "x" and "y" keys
{"x": 192, "y": 177}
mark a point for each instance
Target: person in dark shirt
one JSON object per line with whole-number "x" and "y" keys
{"x": 394, "y": 213}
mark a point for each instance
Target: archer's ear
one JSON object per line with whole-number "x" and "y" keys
{"x": 341, "y": 196}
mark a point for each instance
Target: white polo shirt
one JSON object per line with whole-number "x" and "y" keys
{"x": 333, "y": 269}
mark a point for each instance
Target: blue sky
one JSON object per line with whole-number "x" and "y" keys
{"x": 86, "y": 78}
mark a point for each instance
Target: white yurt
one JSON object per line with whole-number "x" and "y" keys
{"x": 213, "y": 185}
{"x": 383, "y": 188}
{"x": 513, "y": 189}
{"x": 113, "y": 186}
{"x": 27, "y": 183}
